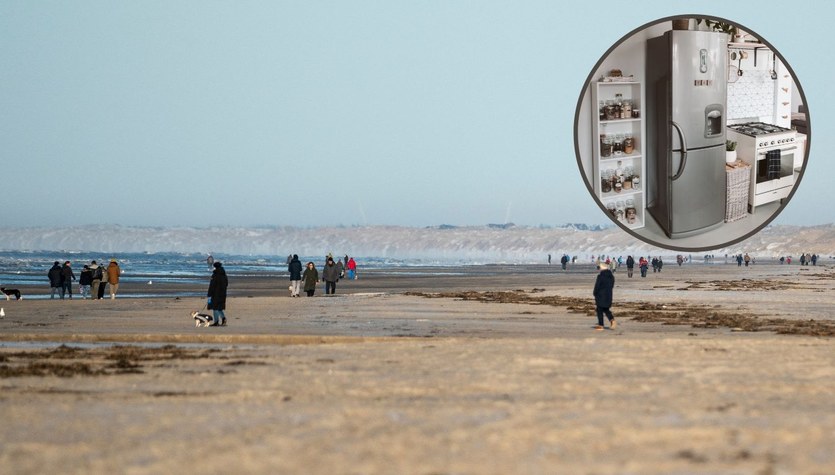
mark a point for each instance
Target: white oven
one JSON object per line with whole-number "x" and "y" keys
{"x": 771, "y": 152}
{"x": 774, "y": 170}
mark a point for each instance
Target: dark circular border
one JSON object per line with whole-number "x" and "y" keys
{"x": 589, "y": 186}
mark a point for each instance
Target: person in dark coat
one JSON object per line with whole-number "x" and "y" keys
{"x": 630, "y": 266}
{"x": 331, "y": 274}
{"x": 295, "y": 269}
{"x": 217, "y": 295}
{"x": 310, "y": 278}
{"x": 67, "y": 276}
{"x": 55, "y": 282}
{"x": 85, "y": 280}
{"x": 603, "y": 287}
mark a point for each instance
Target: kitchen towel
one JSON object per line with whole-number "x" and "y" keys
{"x": 772, "y": 158}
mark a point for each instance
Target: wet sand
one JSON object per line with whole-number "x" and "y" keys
{"x": 713, "y": 369}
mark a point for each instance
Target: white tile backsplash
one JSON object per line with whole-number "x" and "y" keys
{"x": 752, "y": 95}
{"x": 755, "y": 94}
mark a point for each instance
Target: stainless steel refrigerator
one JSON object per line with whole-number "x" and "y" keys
{"x": 685, "y": 107}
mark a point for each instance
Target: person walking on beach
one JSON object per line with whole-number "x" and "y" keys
{"x": 216, "y": 301}
{"x": 310, "y": 278}
{"x": 352, "y": 268}
{"x": 295, "y": 269}
{"x": 113, "y": 274}
{"x": 630, "y": 265}
{"x": 330, "y": 275}
{"x": 103, "y": 284}
{"x": 210, "y": 261}
{"x": 564, "y": 261}
{"x": 85, "y": 279}
{"x": 603, "y": 288}
{"x": 644, "y": 266}
{"x": 55, "y": 284}
{"x": 747, "y": 259}
{"x": 97, "y": 277}
{"x": 67, "y": 276}
{"x": 660, "y": 263}
{"x": 739, "y": 260}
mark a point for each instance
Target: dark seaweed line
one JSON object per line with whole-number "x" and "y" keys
{"x": 669, "y": 314}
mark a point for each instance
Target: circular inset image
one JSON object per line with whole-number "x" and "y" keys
{"x": 692, "y": 133}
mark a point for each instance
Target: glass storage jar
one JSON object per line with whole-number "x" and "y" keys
{"x": 606, "y": 147}
{"x": 628, "y": 143}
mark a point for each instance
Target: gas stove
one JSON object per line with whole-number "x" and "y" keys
{"x": 765, "y": 135}
{"x": 771, "y": 151}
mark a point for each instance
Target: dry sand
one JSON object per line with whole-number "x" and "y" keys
{"x": 503, "y": 374}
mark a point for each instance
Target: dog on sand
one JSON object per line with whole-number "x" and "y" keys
{"x": 201, "y": 319}
{"x": 9, "y": 293}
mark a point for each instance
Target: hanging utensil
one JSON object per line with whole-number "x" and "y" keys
{"x": 773, "y": 66}
{"x": 739, "y": 69}
{"x": 732, "y": 70}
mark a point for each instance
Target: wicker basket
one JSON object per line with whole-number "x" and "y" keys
{"x": 738, "y": 176}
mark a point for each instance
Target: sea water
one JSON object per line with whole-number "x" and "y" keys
{"x": 23, "y": 268}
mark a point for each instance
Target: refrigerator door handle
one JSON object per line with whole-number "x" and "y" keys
{"x": 683, "y": 151}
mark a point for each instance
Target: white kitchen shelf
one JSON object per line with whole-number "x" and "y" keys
{"x": 618, "y": 158}
{"x": 618, "y": 121}
{"x": 631, "y": 91}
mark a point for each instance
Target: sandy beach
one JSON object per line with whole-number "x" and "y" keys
{"x": 491, "y": 369}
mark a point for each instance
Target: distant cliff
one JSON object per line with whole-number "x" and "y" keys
{"x": 489, "y": 243}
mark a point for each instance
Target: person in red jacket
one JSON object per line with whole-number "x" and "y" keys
{"x": 352, "y": 269}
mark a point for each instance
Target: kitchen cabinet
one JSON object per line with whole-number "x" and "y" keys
{"x": 631, "y": 163}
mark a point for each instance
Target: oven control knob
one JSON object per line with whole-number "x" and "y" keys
{"x": 772, "y": 142}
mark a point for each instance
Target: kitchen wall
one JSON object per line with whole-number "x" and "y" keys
{"x": 754, "y": 95}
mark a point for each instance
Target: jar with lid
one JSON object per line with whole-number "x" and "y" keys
{"x": 619, "y": 170}
{"x": 612, "y": 209}
{"x": 617, "y": 145}
{"x": 611, "y": 110}
{"x": 626, "y": 109}
{"x": 620, "y": 210}
{"x": 602, "y": 110}
{"x": 631, "y": 212}
{"x": 628, "y": 143}
{"x": 606, "y": 181}
{"x": 606, "y": 147}
{"x": 618, "y": 186}
{"x": 636, "y": 182}
{"x": 636, "y": 113}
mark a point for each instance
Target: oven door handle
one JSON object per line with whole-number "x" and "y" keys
{"x": 683, "y": 151}
{"x": 781, "y": 150}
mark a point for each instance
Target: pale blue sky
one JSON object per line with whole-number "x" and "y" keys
{"x": 319, "y": 113}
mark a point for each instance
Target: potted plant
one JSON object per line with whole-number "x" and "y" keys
{"x": 722, "y": 26}
{"x": 730, "y": 151}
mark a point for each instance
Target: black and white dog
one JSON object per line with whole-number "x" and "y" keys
{"x": 201, "y": 319}
{"x": 9, "y": 293}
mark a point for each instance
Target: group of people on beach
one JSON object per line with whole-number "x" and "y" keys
{"x": 332, "y": 271}
{"x": 93, "y": 280}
